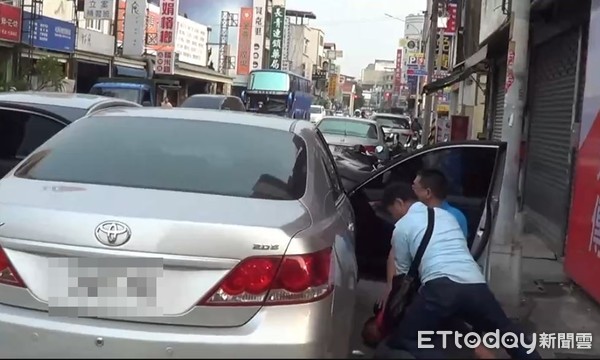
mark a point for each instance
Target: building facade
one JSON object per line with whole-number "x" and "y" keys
{"x": 378, "y": 80}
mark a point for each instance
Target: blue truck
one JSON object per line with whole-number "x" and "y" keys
{"x": 146, "y": 92}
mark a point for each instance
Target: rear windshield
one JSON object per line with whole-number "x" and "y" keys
{"x": 177, "y": 155}
{"x": 391, "y": 121}
{"x": 348, "y": 128}
{"x": 315, "y": 110}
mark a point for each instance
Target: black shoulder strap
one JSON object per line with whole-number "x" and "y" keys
{"x": 414, "y": 266}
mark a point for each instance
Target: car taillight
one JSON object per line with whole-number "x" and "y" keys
{"x": 274, "y": 280}
{"x": 370, "y": 149}
{"x": 8, "y": 274}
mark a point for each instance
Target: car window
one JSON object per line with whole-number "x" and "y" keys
{"x": 69, "y": 113}
{"x": 392, "y": 121}
{"x": 233, "y": 104}
{"x": 468, "y": 169}
{"x": 22, "y": 132}
{"x": 202, "y": 157}
{"x": 329, "y": 163}
{"x": 348, "y": 128}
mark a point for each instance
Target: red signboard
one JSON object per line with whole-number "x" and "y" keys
{"x": 245, "y": 41}
{"x": 398, "y": 71}
{"x": 10, "y": 23}
{"x": 452, "y": 9}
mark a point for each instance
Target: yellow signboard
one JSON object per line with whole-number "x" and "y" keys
{"x": 333, "y": 82}
{"x": 443, "y": 108}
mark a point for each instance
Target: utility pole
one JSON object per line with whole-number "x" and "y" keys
{"x": 430, "y": 71}
{"x": 506, "y": 236}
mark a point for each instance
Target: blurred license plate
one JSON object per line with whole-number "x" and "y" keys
{"x": 336, "y": 148}
{"x": 104, "y": 287}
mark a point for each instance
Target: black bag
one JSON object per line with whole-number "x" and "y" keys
{"x": 405, "y": 286}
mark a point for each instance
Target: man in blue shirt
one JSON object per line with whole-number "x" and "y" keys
{"x": 431, "y": 187}
{"x": 453, "y": 285}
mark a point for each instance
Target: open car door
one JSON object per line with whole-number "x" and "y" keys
{"x": 474, "y": 171}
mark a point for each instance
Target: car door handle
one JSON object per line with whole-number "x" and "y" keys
{"x": 351, "y": 227}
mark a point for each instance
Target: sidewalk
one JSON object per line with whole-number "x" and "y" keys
{"x": 552, "y": 304}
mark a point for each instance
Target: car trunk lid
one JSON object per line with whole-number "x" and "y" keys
{"x": 198, "y": 238}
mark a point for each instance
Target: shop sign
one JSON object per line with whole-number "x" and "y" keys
{"x": 99, "y": 9}
{"x": 258, "y": 34}
{"x": 10, "y": 23}
{"x": 49, "y": 33}
{"x": 165, "y": 57}
{"x": 277, "y": 31}
{"x": 95, "y": 42}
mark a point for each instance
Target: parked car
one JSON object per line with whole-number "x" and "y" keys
{"x": 215, "y": 102}
{"x": 28, "y": 119}
{"x": 317, "y": 112}
{"x": 346, "y": 132}
{"x": 397, "y": 129}
{"x": 176, "y": 210}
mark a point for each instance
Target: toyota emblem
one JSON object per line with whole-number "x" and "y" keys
{"x": 113, "y": 233}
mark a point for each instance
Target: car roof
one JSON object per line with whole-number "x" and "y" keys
{"x": 392, "y": 115}
{"x": 72, "y": 100}
{"x": 368, "y": 121}
{"x": 207, "y": 115}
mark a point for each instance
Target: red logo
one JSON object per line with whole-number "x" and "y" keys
{"x": 10, "y": 23}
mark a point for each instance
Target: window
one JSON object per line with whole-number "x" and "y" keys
{"x": 393, "y": 121}
{"x": 20, "y": 134}
{"x": 94, "y": 25}
{"x": 334, "y": 180}
{"x": 469, "y": 170}
{"x": 201, "y": 157}
{"x": 348, "y": 128}
{"x": 269, "y": 80}
{"x": 132, "y": 95}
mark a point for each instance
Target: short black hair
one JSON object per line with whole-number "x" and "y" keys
{"x": 402, "y": 191}
{"x": 434, "y": 180}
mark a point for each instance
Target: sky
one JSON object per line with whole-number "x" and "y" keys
{"x": 360, "y": 28}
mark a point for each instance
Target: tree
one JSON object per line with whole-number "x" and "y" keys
{"x": 48, "y": 73}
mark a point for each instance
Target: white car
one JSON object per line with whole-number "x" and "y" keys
{"x": 317, "y": 112}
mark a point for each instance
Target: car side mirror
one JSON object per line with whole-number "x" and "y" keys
{"x": 147, "y": 103}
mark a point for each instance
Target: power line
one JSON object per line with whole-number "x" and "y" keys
{"x": 317, "y": 23}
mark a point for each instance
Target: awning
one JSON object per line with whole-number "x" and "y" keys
{"x": 92, "y": 58}
{"x": 460, "y": 73}
{"x": 201, "y": 73}
{"x": 38, "y": 54}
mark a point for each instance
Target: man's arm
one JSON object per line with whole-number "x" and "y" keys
{"x": 391, "y": 267}
{"x": 401, "y": 257}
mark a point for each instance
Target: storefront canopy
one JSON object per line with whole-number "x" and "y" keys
{"x": 474, "y": 64}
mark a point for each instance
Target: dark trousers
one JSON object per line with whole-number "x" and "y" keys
{"x": 441, "y": 299}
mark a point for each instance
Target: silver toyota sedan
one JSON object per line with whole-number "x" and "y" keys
{"x": 156, "y": 233}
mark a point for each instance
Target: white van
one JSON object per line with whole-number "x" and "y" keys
{"x": 317, "y": 112}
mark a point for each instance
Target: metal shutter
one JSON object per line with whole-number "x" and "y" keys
{"x": 552, "y": 88}
{"x": 498, "y": 98}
